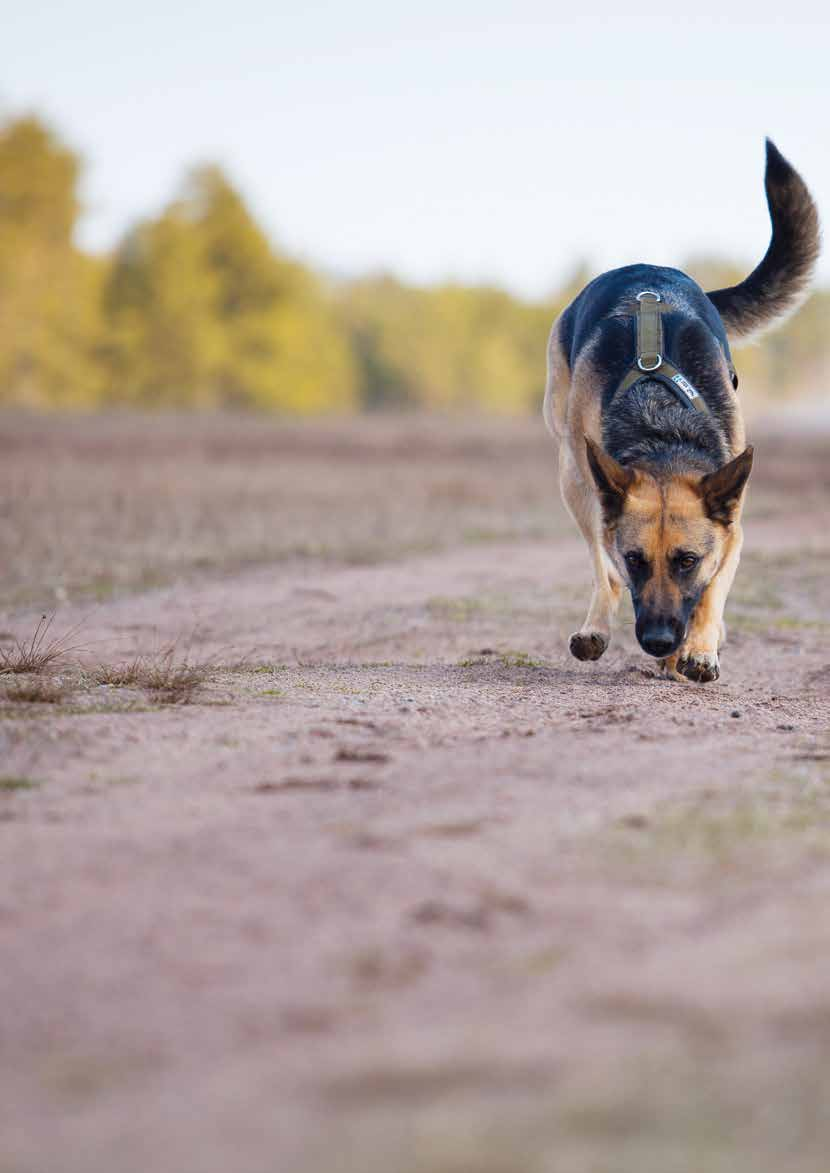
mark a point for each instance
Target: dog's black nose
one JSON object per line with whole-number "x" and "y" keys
{"x": 659, "y": 641}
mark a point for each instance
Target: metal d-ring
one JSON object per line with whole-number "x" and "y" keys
{"x": 643, "y": 367}
{"x": 648, "y": 293}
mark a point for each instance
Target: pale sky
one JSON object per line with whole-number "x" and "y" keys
{"x": 478, "y": 141}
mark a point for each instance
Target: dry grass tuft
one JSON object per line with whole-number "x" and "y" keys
{"x": 174, "y": 682}
{"x": 9, "y": 785}
{"x": 44, "y": 692}
{"x": 130, "y": 674}
{"x": 41, "y": 650}
{"x": 172, "y": 678}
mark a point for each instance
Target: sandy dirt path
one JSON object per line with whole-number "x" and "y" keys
{"x": 406, "y": 888}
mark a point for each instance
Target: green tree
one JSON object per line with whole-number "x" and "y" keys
{"x": 449, "y": 347}
{"x": 203, "y": 311}
{"x": 164, "y": 340}
{"x": 49, "y": 291}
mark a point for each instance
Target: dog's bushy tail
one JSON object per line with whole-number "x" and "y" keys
{"x": 781, "y": 282}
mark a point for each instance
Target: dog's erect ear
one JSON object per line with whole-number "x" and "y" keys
{"x": 613, "y": 480}
{"x": 721, "y": 490}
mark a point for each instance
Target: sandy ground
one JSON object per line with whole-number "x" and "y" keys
{"x": 404, "y": 887}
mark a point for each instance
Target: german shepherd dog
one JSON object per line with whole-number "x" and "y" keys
{"x": 641, "y": 394}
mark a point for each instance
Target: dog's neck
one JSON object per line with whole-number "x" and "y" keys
{"x": 646, "y": 427}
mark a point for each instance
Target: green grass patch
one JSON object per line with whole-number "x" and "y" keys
{"x": 724, "y": 828}
{"x": 506, "y": 659}
{"x": 519, "y": 660}
{"x": 459, "y": 610}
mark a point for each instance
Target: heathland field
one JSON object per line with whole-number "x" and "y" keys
{"x": 318, "y": 851}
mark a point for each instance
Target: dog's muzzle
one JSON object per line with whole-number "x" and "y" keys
{"x": 661, "y": 636}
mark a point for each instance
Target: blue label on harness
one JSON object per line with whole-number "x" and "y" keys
{"x": 684, "y": 384}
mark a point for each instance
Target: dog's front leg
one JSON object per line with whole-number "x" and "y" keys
{"x": 594, "y": 635}
{"x": 697, "y": 659}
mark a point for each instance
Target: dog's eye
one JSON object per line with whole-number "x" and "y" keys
{"x": 634, "y": 560}
{"x": 687, "y": 561}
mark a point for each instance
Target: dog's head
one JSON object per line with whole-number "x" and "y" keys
{"x": 667, "y": 537}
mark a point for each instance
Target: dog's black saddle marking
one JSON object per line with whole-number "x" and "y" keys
{"x": 647, "y": 425}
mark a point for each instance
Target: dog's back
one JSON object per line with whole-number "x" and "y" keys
{"x": 697, "y": 324}
{"x": 601, "y": 320}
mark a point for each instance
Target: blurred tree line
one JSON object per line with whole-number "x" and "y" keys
{"x": 197, "y": 308}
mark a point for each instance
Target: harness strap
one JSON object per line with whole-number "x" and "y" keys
{"x": 649, "y": 331}
{"x": 651, "y": 363}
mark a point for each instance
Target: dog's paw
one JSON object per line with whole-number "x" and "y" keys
{"x": 702, "y": 667}
{"x": 588, "y": 645}
{"x": 668, "y": 668}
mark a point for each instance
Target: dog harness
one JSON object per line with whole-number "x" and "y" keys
{"x": 651, "y": 361}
